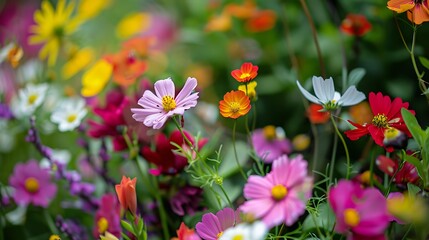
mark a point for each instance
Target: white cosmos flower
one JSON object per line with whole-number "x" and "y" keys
{"x": 69, "y": 114}
{"x": 31, "y": 97}
{"x": 246, "y": 231}
{"x": 328, "y": 97}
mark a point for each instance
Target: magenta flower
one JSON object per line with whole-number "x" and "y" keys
{"x": 107, "y": 217}
{"x": 362, "y": 213}
{"x": 32, "y": 184}
{"x": 158, "y": 108}
{"x": 212, "y": 226}
{"x": 270, "y": 143}
{"x": 281, "y": 195}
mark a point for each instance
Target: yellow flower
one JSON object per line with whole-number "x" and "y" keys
{"x": 250, "y": 90}
{"x": 54, "y": 237}
{"x": 133, "y": 24}
{"x": 51, "y": 28}
{"x": 90, "y": 8}
{"x": 95, "y": 78}
{"x": 78, "y": 61}
{"x": 108, "y": 236}
{"x": 408, "y": 208}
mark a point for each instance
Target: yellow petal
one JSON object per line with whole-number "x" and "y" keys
{"x": 95, "y": 78}
{"x": 132, "y": 24}
{"x": 79, "y": 61}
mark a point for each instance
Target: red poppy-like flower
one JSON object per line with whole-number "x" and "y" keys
{"x": 417, "y": 10}
{"x": 355, "y": 25}
{"x": 246, "y": 73}
{"x": 127, "y": 67}
{"x": 401, "y": 175}
{"x": 185, "y": 233}
{"x": 261, "y": 21}
{"x": 387, "y": 114}
{"x": 315, "y": 115}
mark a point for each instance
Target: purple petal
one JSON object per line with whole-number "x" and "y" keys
{"x": 226, "y": 218}
{"x": 209, "y": 227}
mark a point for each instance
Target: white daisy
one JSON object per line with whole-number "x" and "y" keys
{"x": 31, "y": 97}
{"x": 328, "y": 97}
{"x": 69, "y": 114}
{"x": 246, "y": 231}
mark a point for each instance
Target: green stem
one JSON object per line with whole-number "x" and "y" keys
{"x": 50, "y": 222}
{"x": 235, "y": 151}
{"x": 162, "y": 213}
{"x": 226, "y": 196}
{"x": 345, "y": 147}
{"x": 333, "y": 158}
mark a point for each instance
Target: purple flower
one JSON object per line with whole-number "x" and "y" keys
{"x": 32, "y": 184}
{"x": 270, "y": 143}
{"x": 187, "y": 200}
{"x": 359, "y": 212}
{"x": 107, "y": 217}
{"x": 212, "y": 226}
{"x": 281, "y": 195}
{"x": 5, "y": 112}
{"x": 158, "y": 108}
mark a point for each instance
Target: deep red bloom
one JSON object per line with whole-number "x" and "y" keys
{"x": 387, "y": 114}
{"x": 167, "y": 161}
{"x": 406, "y": 174}
{"x": 246, "y": 73}
{"x": 355, "y": 25}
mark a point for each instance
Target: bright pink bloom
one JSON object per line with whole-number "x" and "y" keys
{"x": 360, "y": 212}
{"x": 269, "y": 144}
{"x": 387, "y": 114}
{"x": 158, "y": 108}
{"x": 107, "y": 217}
{"x": 212, "y": 226}
{"x": 32, "y": 184}
{"x": 281, "y": 195}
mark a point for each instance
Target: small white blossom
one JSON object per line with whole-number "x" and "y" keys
{"x": 69, "y": 114}
{"x": 246, "y": 231}
{"x": 31, "y": 97}
{"x": 328, "y": 97}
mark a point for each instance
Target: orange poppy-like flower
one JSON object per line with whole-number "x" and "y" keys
{"x": 126, "y": 192}
{"x": 126, "y": 67}
{"x": 417, "y": 11}
{"x": 261, "y": 21}
{"x": 246, "y": 73}
{"x": 234, "y": 104}
{"x": 361, "y": 113}
{"x": 139, "y": 45}
{"x": 243, "y": 11}
{"x": 355, "y": 25}
{"x": 315, "y": 115}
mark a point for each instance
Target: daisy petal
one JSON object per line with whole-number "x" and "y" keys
{"x": 307, "y": 95}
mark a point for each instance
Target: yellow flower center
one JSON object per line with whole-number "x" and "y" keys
{"x": 380, "y": 120}
{"x": 235, "y": 107}
{"x": 54, "y": 237}
{"x": 351, "y": 217}
{"x": 31, "y": 185}
{"x": 238, "y": 237}
{"x": 278, "y": 192}
{"x": 269, "y": 132}
{"x": 102, "y": 224}
{"x": 244, "y": 75}
{"x": 365, "y": 177}
{"x": 71, "y": 118}
{"x": 168, "y": 103}
{"x": 219, "y": 235}
{"x": 32, "y": 98}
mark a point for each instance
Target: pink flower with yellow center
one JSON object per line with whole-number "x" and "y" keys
{"x": 32, "y": 184}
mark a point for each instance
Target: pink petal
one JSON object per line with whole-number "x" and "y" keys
{"x": 209, "y": 227}
{"x": 275, "y": 216}
{"x": 164, "y": 88}
{"x": 226, "y": 218}
{"x": 187, "y": 89}
{"x": 149, "y": 100}
{"x": 257, "y": 187}
{"x": 258, "y": 207}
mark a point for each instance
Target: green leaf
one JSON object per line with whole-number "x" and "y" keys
{"x": 419, "y": 166}
{"x": 128, "y": 227}
{"x": 413, "y": 189}
{"x": 424, "y": 61}
{"x": 228, "y": 166}
{"x": 355, "y": 76}
{"x": 140, "y": 227}
{"x": 414, "y": 127}
{"x": 323, "y": 218}
{"x": 125, "y": 236}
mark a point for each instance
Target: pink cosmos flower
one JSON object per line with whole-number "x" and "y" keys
{"x": 212, "y": 226}
{"x": 32, "y": 184}
{"x": 107, "y": 217}
{"x": 158, "y": 108}
{"x": 362, "y": 213}
{"x": 281, "y": 195}
{"x": 270, "y": 143}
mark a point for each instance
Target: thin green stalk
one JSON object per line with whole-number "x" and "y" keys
{"x": 50, "y": 222}
{"x": 235, "y": 151}
{"x": 333, "y": 158}
{"x": 345, "y": 147}
{"x": 226, "y": 196}
{"x": 162, "y": 213}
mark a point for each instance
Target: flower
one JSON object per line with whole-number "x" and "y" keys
{"x": 249, "y": 89}
{"x": 90, "y": 8}
{"x": 32, "y": 184}
{"x": 281, "y": 195}
{"x": 407, "y": 173}
{"x": 96, "y": 78}
{"x": 234, "y": 104}
{"x": 253, "y": 231}
{"x": 185, "y": 233}
{"x": 417, "y": 11}
{"x": 51, "y": 28}
{"x": 69, "y": 113}
{"x": 261, "y": 20}
{"x": 246, "y": 73}
{"x": 132, "y": 24}
{"x": 387, "y": 114}
{"x": 108, "y": 236}
{"x": 363, "y": 212}
{"x": 31, "y": 97}
{"x": 406, "y": 207}
{"x": 126, "y": 192}
{"x": 13, "y": 53}
{"x": 212, "y": 226}
{"x": 270, "y": 143}
{"x": 77, "y": 62}
{"x": 219, "y": 23}
{"x": 126, "y": 67}
{"x": 187, "y": 200}
{"x": 361, "y": 113}
{"x": 158, "y": 108}
{"x": 355, "y": 25}
{"x": 328, "y": 97}
{"x": 301, "y": 142}
{"x": 316, "y": 114}
{"x": 107, "y": 217}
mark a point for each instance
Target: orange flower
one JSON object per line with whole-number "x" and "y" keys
{"x": 261, "y": 21}
{"x": 246, "y": 73}
{"x": 243, "y": 11}
{"x": 315, "y": 115}
{"x": 417, "y": 11}
{"x": 234, "y": 104}
{"x": 126, "y": 192}
{"x": 361, "y": 113}
{"x": 184, "y": 233}
{"x": 355, "y": 25}
{"x": 139, "y": 45}
{"x": 126, "y": 67}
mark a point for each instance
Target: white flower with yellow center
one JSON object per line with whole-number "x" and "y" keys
{"x": 69, "y": 114}
{"x": 246, "y": 231}
{"x": 31, "y": 97}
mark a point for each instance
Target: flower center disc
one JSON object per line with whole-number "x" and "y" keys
{"x": 235, "y": 107}
{"x": 238, "y": 237}
{"x": 31, "y": 185}
{"x": 31, "y": 99}
{"x": 269, "y": 132}
{"x": 168, "y": 103}
{"x": 245, "y": 75}
{"x": 71, "y": 118}
{"x": 351, "y": 217}
{"x": 103, "y": 225}
{"x": 279, "y": 192}
{"x": 380, "y": 120}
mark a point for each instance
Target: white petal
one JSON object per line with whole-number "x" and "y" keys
{"x": 351, "y": 97}
{"x": 324, "y": 89}
{"x": 307, "y": 95}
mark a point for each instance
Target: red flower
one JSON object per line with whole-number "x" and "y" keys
{"x": 387, "y": 114}
{"x": 406, "y": 174}
{"x": 126, "y": 192}
{"x": 315, "y": 115}
{"x": 246, "y": 73}
{"x": 355, "y": 25}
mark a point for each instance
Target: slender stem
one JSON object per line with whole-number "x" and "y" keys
{"x": 316, "y": 41}
{"x": 345, "y": 147}
{"x": 226, "y": 196}
{"x": 235, "y": 151}
{"x": 333, "y": 158}
{"x": 50, "y": 222}
{"x": 162, "y": 213}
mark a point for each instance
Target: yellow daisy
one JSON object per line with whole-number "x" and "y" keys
{"x": 52, "y": 25}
